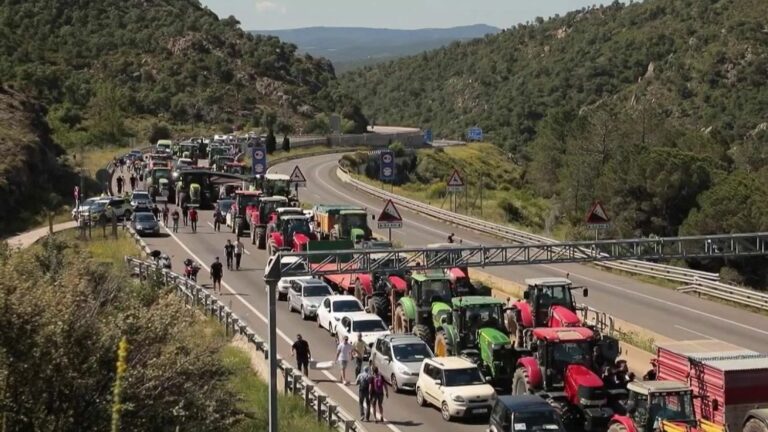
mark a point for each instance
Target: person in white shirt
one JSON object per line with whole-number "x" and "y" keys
{"x": 239, "y": 248}
{"x": 343, "y": 356}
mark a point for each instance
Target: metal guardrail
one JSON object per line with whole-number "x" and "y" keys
{"x": 697, "y": 281}
{"x": 194, "y": 296}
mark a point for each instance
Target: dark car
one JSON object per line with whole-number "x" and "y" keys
{"x": 526, "y": 413}
{"x": 145, "y": 224}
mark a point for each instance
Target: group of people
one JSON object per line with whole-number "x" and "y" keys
{"x": 371, "y": 386}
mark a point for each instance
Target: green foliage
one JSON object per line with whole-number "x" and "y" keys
{"x": 63, "y": 316}
{"x": 354, "y": 114}
{"x": 397, "y": 148}
{"x": 318, "y": 125}
{"x": 158, "y": 131}
{"x": 286, "y": 144}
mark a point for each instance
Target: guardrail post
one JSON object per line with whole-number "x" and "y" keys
{"x": 195, "y": 297}
{"x": 320, "y": 400}
{"x": 297, "y": 378}
{"x": 348, "y": 424}
{"x": 221, "y": 313}
{"x": 331, "y": 411}
{"x": 227, "y": 316}
{"x": 308, "y": 395}
{"x": 287, "y": 376}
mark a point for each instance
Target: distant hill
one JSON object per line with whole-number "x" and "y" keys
{"x": 170, "y": 59}
{"x": 350, "y": 47}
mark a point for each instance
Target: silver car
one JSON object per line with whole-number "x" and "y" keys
{"x": 305, "y": 295}
{"x": 145, "y": 224}
{"x": 140, "y": 199}
{"x": 83, "y": 209}
{"x": 399, "y": 358}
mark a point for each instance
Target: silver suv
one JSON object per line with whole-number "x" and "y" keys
{"x": 305, "y": 295}
{"x": 399, "y": 358}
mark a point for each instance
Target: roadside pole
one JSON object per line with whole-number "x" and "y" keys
{"x": 272, "y": 353}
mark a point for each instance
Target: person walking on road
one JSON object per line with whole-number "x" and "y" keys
{"x": 343, "y": 356}
{"x": 358, "y": 351}
{"x": 217, "y": 219}
{"x": 450, "y": 238}
{"x": 229, "y": 252}
{"x": 378, "y": 390}
{"x": 119, "y": 182}
{"x": 193, "y": 219}
{"x": 156, "y": 212}
{"x": 217, "y": 272}
{"x": 239, "y": 248}
{"x": 184, "y": 212}
{"x": 363, "y": 382}
{"x": 175, "y": 217}
{"x": 133, "y": 179}
{"x": 165, "y": 215}
{"x": 300, "y": 350}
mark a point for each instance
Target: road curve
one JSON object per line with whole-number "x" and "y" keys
{"x": 662, "y": 310}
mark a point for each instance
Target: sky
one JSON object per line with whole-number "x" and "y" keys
{"x": 400, "y": 14}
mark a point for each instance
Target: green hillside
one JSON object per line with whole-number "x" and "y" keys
{"x": 658, "y": 109}
{"x": 97, "y": 61}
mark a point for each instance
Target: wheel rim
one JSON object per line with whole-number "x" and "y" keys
{"x": 444, "y": 410}
{"x": 394, "y": 382}
{"x": 419, "y": 397}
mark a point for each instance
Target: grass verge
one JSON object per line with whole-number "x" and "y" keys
{"x": 104, "y": 249}
{"x": 254, "y": 398}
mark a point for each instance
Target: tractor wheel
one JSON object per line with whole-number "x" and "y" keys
{"x": 441, "y": 345}
{"x": 399, "y": 320}
{"x": 424, "y": 333}
{"x": 570, "y": 415}
{"x": 261, "y": 239}
{"x": 755, "y": 425}
{"x": 617, "y": 427}
{"x": 380, "y": 306}
{"x": 520, "y": 384}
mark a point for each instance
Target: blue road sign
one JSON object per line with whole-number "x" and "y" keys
{"x": 428, "y": 136}
{"x": 387, "y": 162}
{"x": 475, "y": 134}
{"x": 258, "y": 159}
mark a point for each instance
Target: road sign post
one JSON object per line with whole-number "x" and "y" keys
{"x": 298, "y": 180}
{"x": 258, "y": 159}
{"x": 474, "y": 134}
{"x": 428, "y": 136}
{"x": 455, "y": 186}
{"x": 597, "y": 219}
{"x": 387, "y": 165}
{"x": 390, "y": 218}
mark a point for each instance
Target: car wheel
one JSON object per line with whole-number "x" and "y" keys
{"x": 445, "y": 412}
{"x": 420, "y": 397}
{"x": 331, "y": 329}
{"x": 319, "y": 323}
{"x": 393, "y": 381}
{"x": 303, "y": 314}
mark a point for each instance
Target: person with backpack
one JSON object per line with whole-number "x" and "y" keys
{"x": 378, "y": 390}
{"x": 175, "y": 217}
{"x": 193, "y": 219}
{"x": 363, "y": 382}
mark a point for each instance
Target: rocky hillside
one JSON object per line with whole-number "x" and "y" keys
{"x": 31, "y": 176}
{"x": 705, "y": 62}
{"x": 172, "y": 59}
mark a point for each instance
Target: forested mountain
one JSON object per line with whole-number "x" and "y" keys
{"x": 656, "y": 108}
{"x": 168, "y": 58}
{"x": 350, "y": 47}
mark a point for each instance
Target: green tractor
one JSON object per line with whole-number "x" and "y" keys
{"x": 428, "y": 296}
{"x": 474, "y": 329}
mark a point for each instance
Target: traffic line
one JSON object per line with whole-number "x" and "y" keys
{"x": 279, "y": 332}
{"x": 596, "y": 281}
{"x": 695, "y": 332}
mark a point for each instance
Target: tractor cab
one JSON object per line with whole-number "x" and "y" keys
{"x": 656, "y": 405}
{"x": 277, "y": 184}
{"x": 268, "y": 206}
{"x": 221, "y": 161}
{"x": 459, "y": 276}
{"x": 234, "y": 168}
{"x": 557, "y": 349}
{"x": 548, "y": 302}
{"x": 215, "y": 151}
{"x": 354, "y": 225}
{"x": 188, "y": 151}
{"x": 245, "y": 201}
{"x": 292, "y": 232}
{"x": 429, "y": 288}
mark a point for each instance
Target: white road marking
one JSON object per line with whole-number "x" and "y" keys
{"x": 615, "y": 287}
{"x": 695, "y": 332}
{"x": 266, "y": 321}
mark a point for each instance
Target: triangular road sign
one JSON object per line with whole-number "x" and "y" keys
{"x": 390, "y": 213}
{"x": 597, "y": 214}
{"x": 297, "y": 176}
{"x": 455, "y": 179}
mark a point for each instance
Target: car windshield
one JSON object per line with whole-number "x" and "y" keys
{"x": 555, "y": 295}
{"x": 299, "y": 267}
{"x": 567, "y": 353}
{"x": 161, "y": 173}
{"x": 347, "y": 306}
{"x": 436, "y": 288}
{"x": 298, "y": 226}
{"x": 367, "y": 326}
{"x": 89, "y": 202}
{"x": 98, "y": 205}
{"x": 225, "y": 205}
{"x": 485, "y": 315}
{"x": 140, "y": 196}
{"x": 535, "y": 421}
{"x": 246, "y": 200}
{"x": 278, "y": 187}
{"x": 317, "y": 291}
{"x": 411, "y": 352}
{"x": 463, "y": 377}
{"x": 144, "y": 217}
{"x": 356, "y": 220}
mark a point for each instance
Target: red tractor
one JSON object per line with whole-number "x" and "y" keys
{"x": 245, "y": 203}
{"x": 461, "y": 284}
{"x": 291, "y": 233}
{"x": 547, "y": 302}
{"x": 561, "y": 369}
{"x": 261, "y": 216}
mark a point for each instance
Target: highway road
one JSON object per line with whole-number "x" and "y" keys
{"x": 662, "y": 310}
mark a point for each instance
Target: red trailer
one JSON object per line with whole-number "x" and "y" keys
{"x": 730, "y": 383}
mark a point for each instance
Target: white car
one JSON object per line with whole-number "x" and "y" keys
{"x": 456, "y": 386}
{"x": 370, "y": 325}
{"x": 284, "y": 283}
{"x": 305, "y": 296}
{"x": 333, "y": 308}
{"x": 140, "y": 199}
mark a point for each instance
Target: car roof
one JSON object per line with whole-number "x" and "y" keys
{"x": 342, "y": 297}
{"x": 402, "y": 339}
{"x": 645, "y": 387}
{"x": 311, "y": 281}
{"x": 548, "y": 281}
{"x": 360, "y": 316}
{"x": 452, "y": 362}
{"x": 563, "y": 334}
{"x": 525, "y": 403}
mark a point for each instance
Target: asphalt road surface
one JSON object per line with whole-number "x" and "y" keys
{"x": 662, "y": 310}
